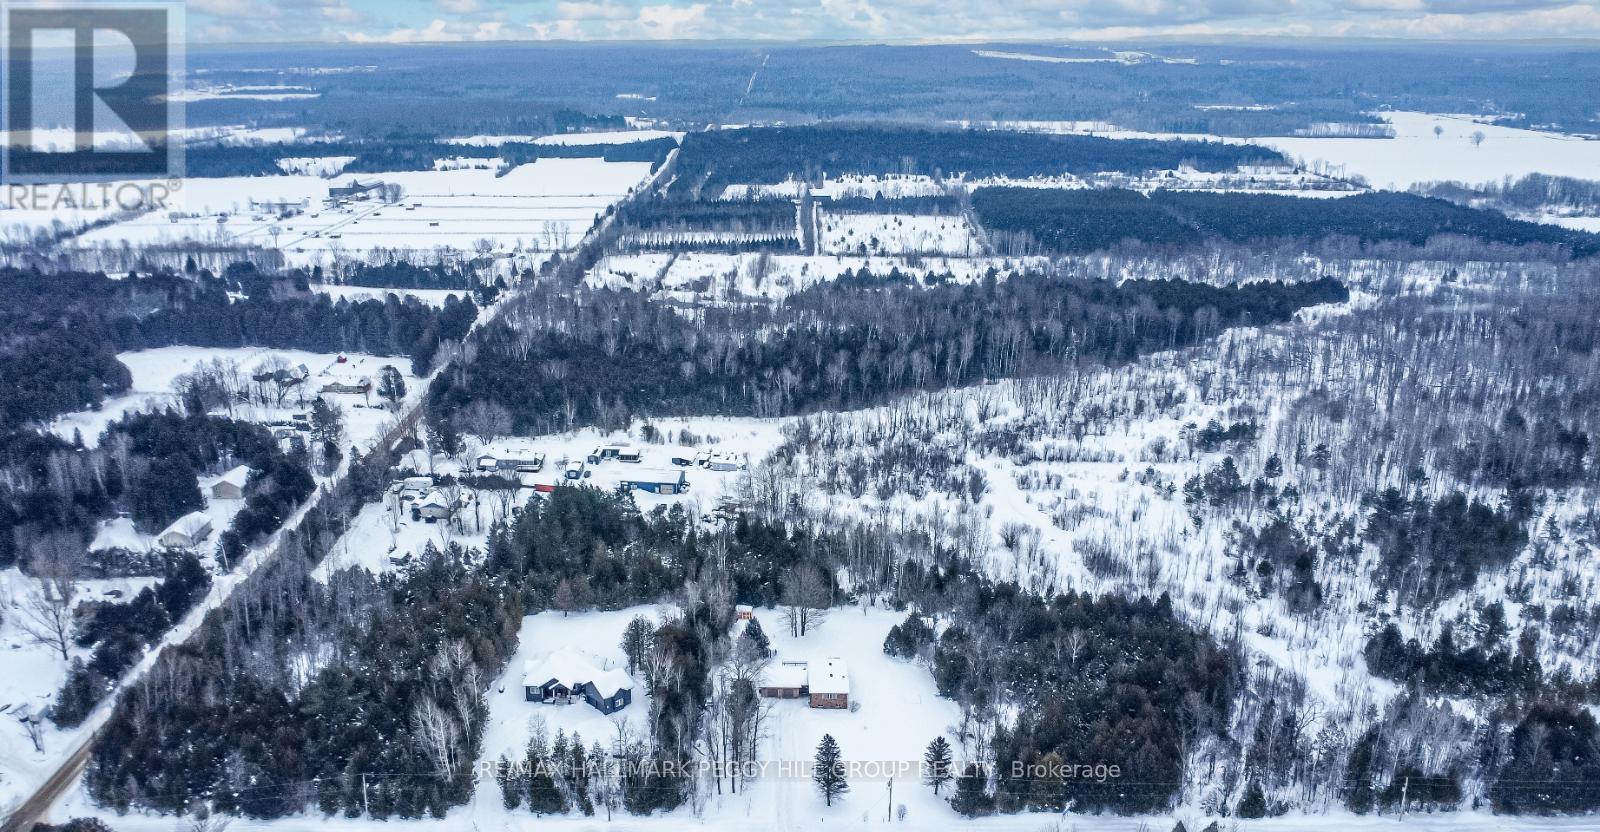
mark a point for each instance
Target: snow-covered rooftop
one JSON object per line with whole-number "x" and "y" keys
{"x": 830, "y": 676}
{"x": 238, "y": 476}
{"x": 611, "y": 682}
{"x": 193, "y": 524}
{"x": 569, "y": 667}
{"x": 787, "y": 675}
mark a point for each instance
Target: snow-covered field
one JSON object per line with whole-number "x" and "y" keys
{"x": 543, "y": 206}
{"x": 1416, "y": 154}
{"x": 890, "y": 234}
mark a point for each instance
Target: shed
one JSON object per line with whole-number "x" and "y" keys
{"x": 230, "y": 486}
{"x": 187, "y": 531}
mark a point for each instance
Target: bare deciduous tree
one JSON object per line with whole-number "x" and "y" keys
{"x": 807, "y": 594}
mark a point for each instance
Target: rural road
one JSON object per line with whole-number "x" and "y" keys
{"x": 36, "y": 807}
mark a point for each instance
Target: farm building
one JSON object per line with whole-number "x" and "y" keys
{"x": 786, "y": 680}
{"x": 355, "y": 190}
{"x": 565, "y": 675}
{"x": 186, "y": 532}
{"x": 488, "y": 462}
{"x": 725, "y": 462}
{"x": 230, "y": 486}
{"x": 360, "y": 385}
{"x": 529, "y": 463}
{"x": 830, "y": 684}
{"x": 657, "y": 481}
{"x": 603, "y": 453}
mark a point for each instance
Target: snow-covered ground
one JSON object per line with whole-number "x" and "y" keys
{"x": 1416, "y": 154}
{"x": 597, "y": 635}
{"x": 891, "y": 234}
{"x": 324, "y": 166}
{"x": 733, "y": 277}
{"x": 42, "y": 673}
{"x": 543, "y": 206}
{"x": 432, "y": 297}
{"x": 597, "y": 137}
{"x": 255, "y": 92}
{"x": 154, "y": 370}
{"x": 899, "y": 713}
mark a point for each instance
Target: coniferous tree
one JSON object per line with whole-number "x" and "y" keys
{"x": 636, "y": 639}
{"x": 1254, "y": 803}
{"x": 936, "y": 766}
{"x": 828, "y": 770}
{"x": 755, "y": 639}
{"x": 544, "y": 796}
{"x": 971, "y": 798}
{"x": 512, "y": 786}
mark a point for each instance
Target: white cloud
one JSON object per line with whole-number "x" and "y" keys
{"x": 606, "y": 10}
{"x": 901, "y": 20}
{"x": 436, "y": 32}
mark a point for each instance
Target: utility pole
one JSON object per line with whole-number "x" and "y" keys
{"x": 890, "y": 814}
{"x": 366, "y": 807}
{"x": 1405, "y": 786}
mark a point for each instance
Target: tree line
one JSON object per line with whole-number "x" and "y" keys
{"x": 596, "y": 356}
{"x": 1087, "y": 220}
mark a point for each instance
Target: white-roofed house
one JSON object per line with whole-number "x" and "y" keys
{"x": 609, "y": 691}
{"x": 435, "y": 506}
{"x": 230, "y": 486}
{"x": 186, "y": 532}
{"x": 785, "y": 680}
{"x": 829, "y": 682}
{"x": 564, "y": 675}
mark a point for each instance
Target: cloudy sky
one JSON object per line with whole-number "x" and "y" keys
{"x": 216, "y": 21}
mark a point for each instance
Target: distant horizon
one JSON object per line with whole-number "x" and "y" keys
{"x": 226, "y": 22}
{"x": 1592, "y": 41}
